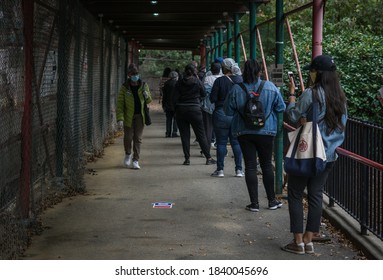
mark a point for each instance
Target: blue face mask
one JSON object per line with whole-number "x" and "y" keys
{"x": 135, "y": 78}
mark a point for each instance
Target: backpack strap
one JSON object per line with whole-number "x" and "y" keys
{"x": 260, "y": 88}
{"x": 245, "y": 90}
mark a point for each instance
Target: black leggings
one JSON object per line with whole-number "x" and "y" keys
{"x": 251, "y": 146}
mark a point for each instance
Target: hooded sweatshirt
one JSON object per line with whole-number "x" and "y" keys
{"x": 189, "y": 91}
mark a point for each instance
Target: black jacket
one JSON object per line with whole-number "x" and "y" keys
{"x": 189, "y": 91}
{"x": 168, "y": 95}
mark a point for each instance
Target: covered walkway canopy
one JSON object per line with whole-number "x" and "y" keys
{"x": 167, "y": 24}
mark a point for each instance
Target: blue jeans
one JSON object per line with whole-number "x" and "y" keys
{"x": 222, "y": 130}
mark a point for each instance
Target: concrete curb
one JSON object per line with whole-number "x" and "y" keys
{"x": 371, "y": 245}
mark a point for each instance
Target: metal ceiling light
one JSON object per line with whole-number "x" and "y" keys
{"x": 153, "y": 2}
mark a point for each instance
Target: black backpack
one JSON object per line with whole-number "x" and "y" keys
{"x": 253, "y": 113}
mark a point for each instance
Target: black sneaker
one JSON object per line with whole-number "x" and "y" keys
{"x": 253, "y": 207}
{"x": 210, "y": 161}
{"x": 274, "y": 204}
{"x": 186, "y": 162}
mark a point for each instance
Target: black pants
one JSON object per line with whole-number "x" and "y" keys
{"x": 296, "y": 187}
{"x": 251, "y": 146}
{"x": 208, "y": 124}
{"x": 171, "y": 124}
{"x": 187, "y": 116}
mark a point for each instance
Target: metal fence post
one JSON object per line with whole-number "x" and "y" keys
{"x": 252, "y": 23}
{"x": 26, "y": 125}
{"x": 229, "y": 39}
{"x": 279, "y": 45}
{"x": 237, "y": 43}
{"x": 62, "y": 85}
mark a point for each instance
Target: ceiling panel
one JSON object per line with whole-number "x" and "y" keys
{"x": 180, "y": 24}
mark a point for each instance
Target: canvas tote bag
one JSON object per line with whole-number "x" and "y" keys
{"x": 306, "y": 155}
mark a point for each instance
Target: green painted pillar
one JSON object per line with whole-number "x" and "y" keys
{"x": 213, "y": 45}
{"x": 213, "y": 53}
{"x": 208, "y": 53}
{"x": 229, "y": 39}
{"x": 220, "y": 42}
{"x": 252, "y": 26}
{"x": 237, "y": 42}
{"x": 216, "y": 46}
{"x": 279, "y": 138}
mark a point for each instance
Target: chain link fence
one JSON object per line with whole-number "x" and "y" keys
{"x": 60, "y": 70}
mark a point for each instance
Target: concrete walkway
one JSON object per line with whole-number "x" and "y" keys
{"x": 115, "y": 218}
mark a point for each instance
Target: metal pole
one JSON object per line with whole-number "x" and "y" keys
{"x": 208, "y": 53}
{"x": 75, "y": 140}
{"x": 212, "y": 46}
{"x": 220, "y": 42}
{"x": 252, "y": 25}
{"x": 26, "y": 129}
{"x": 90, "y": 92}
{"x": 213, "y": 50}
{"x": 243, "y": 47}
{"x": 229, "y": 39}
{"x": 202, "y": 54}
{"x": 109, "y": 80}
{"x": 236, "y": 39}
{"x": 279, "y": 44}
{"x": 217, "y": 43}
{"x": 102, "y": 71}
{"x": 317, "y": 37}
{"x": 62, "y": 86}
{"x": 295, "y": 54}
{"x": 262, "y": 54}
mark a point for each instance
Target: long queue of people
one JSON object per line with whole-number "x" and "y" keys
{"x": 212, "y": 104}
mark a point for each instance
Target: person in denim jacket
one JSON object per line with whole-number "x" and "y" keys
{"x": 332, "y": 118}
{"x": 256, "y": 141}
{"x": 206, "y": 105}
{"x": 222, "y": 123}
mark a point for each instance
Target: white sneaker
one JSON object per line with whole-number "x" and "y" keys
{"x": 239, "y": 173}
{"x": 218, "y": 173}
{"x": 136, "y": 165}
{"x": 128, "y": 160}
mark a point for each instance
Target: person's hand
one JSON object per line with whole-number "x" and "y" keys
{"x": 120, "y": 125}
{"x": 291, "y": 86}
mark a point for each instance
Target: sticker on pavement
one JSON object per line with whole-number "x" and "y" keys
{"x": 166, "y": 205}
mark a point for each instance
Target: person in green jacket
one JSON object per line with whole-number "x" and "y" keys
{"x": 133, "y": 95}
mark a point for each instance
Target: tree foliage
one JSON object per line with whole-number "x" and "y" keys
{"x": 354, "y": 38}
{"x": 153, "y": 62}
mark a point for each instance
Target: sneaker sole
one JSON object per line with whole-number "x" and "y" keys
{"x": 252, "y": 209}
{"x": 218, "y": 176}
{"x": 275, "y": 207}
{"x": 292, "y": 251}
